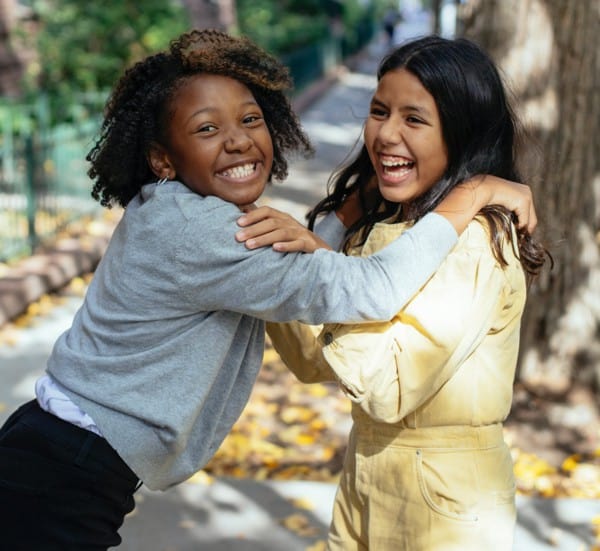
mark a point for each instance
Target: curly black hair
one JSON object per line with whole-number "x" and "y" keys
{"x": 138, "y": 111}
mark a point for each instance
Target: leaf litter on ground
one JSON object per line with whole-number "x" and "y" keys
{"x": 294, "y": 431}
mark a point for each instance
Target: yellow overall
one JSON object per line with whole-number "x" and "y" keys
{"x": 426, "y": 467}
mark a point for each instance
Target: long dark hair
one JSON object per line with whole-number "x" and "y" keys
{"x": 480, "y": 131}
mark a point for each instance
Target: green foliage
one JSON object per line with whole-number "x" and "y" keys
{"x": 83, "y": 46}
{"x": 281, "y": 26}
{"x": 357, "y": 19}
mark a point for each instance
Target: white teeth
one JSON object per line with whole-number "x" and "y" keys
{"x": 398, "y": 173}
{"x": 239, "y": 171}
{"x": 396, "y": 167}
{"x": 388, "y": 163}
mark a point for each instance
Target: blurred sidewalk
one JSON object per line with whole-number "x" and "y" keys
{"x": 246, "y": 514}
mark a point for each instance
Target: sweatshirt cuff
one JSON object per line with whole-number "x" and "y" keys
{"x": 436, "y": 227}
{"x": 331, "y": 229}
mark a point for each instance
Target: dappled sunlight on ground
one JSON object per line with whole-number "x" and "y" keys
{"x": 290, "y": 430}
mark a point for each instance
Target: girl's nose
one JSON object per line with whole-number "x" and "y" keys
{"x": 238, "y": 140}
{"x": 390, "y": 132}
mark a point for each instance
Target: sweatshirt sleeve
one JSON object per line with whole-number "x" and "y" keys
{"x": 392, "y": 368}
{"x": 217, "y": 273}
{"x": 331, "y": 229}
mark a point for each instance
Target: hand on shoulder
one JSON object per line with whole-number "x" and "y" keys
{"x": 266, "y": 226}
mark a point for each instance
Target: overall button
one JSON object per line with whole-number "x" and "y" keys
{"x": 328, "y": 337}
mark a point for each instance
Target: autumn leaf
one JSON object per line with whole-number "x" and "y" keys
{"x": 295, "y": 431}
{"x": 302, "y": 503}
{"x": 201, "y": 478}
{"x": 300, "y": 525}
{"x": 297, "y": 414}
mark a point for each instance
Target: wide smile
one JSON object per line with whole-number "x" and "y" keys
{"x": 395, "y": 169}
{"x": 241, "y": 173}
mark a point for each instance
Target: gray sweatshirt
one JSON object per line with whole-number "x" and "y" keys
{"x": 166, "y": 347}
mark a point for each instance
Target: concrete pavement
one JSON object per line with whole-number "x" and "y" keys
{"x": 242, "y": 514}
{"x": 206, "y": 514}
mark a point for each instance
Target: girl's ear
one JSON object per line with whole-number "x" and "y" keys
{"x": 159, "y": 162}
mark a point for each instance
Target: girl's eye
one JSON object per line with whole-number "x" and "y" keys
{"x": 377, "y": 112}
{"x": 207, "y": 128}
{"x": 413, "y": 120}
{"x": 249, "y": 119}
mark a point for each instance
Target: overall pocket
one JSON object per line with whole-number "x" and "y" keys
{"x": 448, "y": 483}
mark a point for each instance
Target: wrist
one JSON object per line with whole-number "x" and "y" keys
{"x": 461, "y": 205}
{"x": 483, "y": 191}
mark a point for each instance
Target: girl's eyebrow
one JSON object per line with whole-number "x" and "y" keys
{"x": 411, "y": 108}
{"x": 418, "y": 109}
{"x": 209, "y": 109}
{"x": 375, "y": 101}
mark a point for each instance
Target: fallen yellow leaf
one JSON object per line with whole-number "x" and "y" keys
{"x": 201, "y": 477}
{"x": 297, "y": 414}
{"x": 299, "y": 524}
{"x": 270, "y": 356}
{"x": 318, "y": 390}
{"x": 571, "y": 462}
{"x": 302, "y": 503}
{"x": 320, "y": 545}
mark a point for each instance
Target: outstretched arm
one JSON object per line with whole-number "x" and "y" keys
{"x": 461, "y": 205}
{"x": 267, "y": 226}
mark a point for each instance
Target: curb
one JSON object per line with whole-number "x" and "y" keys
{"x": 53, "y": 267}
{"x": 314, "y": 91}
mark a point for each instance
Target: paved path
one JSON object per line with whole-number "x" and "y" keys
{"x": 249, "y": 515}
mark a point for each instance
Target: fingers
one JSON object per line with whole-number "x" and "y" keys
{"x": 270, "y": 231}
{"x": 522, "y": 219}
{"x": 257, "y": 214}
{"x": 254, "y": 227}
{"x": 533, "y": 221}
{"x": 296, "y": 246}
{"x": 288, "y": 229}
{"x": 278, "y": 239}
{"x": 526, "y": 219}
{"x": 308, "y": 243}
{"x": 266, "y": 226}
{"x": 525, "y": 211}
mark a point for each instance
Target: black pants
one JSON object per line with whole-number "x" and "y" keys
{"x": 62, "y": 488}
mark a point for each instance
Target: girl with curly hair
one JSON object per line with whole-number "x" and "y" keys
{"x": 161, "y": 357}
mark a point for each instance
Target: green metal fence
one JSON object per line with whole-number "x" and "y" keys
{"x": 313, "y": 61}
{"x": 43, "y": 181}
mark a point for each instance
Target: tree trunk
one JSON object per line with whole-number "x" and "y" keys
{"x": 11, "y": 64}
{"x": 436, "y": 8}
{"x": 549, "y": 51}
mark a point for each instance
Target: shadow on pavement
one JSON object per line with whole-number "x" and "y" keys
{"x": 232, "y": 514}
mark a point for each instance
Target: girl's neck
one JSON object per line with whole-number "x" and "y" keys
{"x": 406, "y": 213}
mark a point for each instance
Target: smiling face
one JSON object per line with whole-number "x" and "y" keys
{"x": 403, "y": 136}
{"x": 218, "y": 142}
